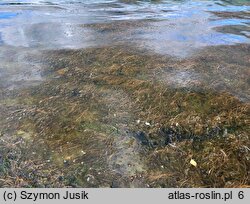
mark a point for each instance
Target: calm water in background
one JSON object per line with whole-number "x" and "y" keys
{"x": 179, "y": 28}
{"x": 176, "y": 27}
{"x": 81, "y": 107}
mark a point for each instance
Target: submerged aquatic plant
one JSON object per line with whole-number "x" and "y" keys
{"x": 111, "y": 117}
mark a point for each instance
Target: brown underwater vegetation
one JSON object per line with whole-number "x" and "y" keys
{"x": 116, "y": 116}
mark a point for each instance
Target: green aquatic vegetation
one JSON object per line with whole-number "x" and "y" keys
{"x": 104, "y": 118}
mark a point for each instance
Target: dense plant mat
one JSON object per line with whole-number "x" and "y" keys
{"x": 117, "y": 116}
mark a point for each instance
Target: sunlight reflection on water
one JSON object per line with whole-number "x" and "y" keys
{"x": 177, "y": 28}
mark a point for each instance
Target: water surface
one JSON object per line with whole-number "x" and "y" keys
{"x": 176, "y": 28}
{"x": 124, "y": 93}
{"x": 173, "y": 27}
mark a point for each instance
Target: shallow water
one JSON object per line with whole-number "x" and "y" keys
{"x": 120, "y": 79}
{"x": 173, "y": 27}
{"x": 176, "y": 28}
